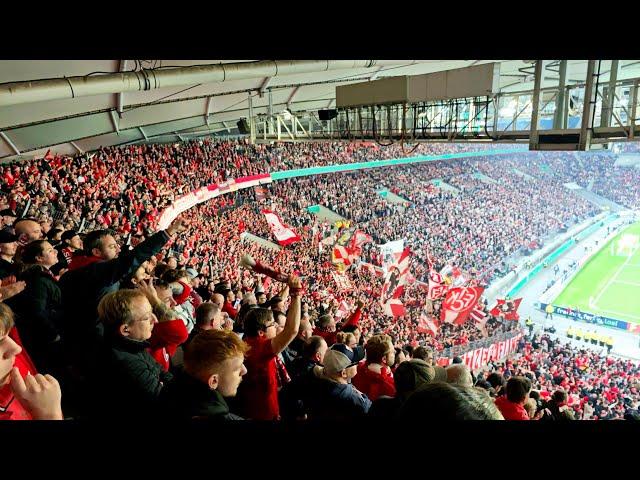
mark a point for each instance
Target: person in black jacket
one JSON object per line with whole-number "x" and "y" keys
{"x": 128, "y": 380}
{"x": 8, "y": 247}
{"x": 213, "y": 369}
{"x": 330, "y": 395}
{"x": 94, "y": 274}
{"x": 38, "y": 308}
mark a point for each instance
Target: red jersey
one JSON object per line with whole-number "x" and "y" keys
{"x": 374, "y": 384}
{"x": 258, "y": 392}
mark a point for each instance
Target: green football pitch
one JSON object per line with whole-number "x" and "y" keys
{"x": 609, "y": 284}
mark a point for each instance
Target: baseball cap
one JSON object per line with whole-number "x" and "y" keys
{"x": 192, "y": 272}
{"x": 339, "y": 357}
{"x": 7, "y": 237}
{"x": 68, "y": 235}
{"x": 7, "y": 212}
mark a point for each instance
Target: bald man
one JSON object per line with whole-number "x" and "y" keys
{"x": 27, "y": 230}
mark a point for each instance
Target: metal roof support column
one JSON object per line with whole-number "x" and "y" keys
{"x": 588, "y": 108}
{"x": 560, "y": 110}
{"x": 252, "y": 130}
{"x": 73, "y": 144}
{"x": 114, "y": 120}
{"x": 270, "y": 112}
{"x": 206, "y": 113}
{"x": 123, "y": 68}
{"x": 633, "y": 95}
{"x": 535, "y": 105}
{"x": 609, "y": 98}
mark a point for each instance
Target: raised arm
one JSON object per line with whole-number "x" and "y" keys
{"x": 284, "y": 338}
{"x": 127, "y": 262}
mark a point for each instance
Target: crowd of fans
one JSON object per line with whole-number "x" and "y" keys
{"x": 127, "y": 321}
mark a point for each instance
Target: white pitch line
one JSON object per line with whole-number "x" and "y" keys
{"x": 612, "y": 279}
{"x": 627, "y": 283}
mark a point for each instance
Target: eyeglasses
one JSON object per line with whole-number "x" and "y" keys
{"x": 272, "y": 324}
{"x": 151, "y": 319}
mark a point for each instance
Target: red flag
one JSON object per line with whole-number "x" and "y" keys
{"x": 436, "y": 290}
{"x": 425, "y": 325}
{"x": 512, "y": 310}
{"x": 394, "y": 308}
{"x": 342, "y": 254}
{"x": 284, "y": 234}
{"x": 396, "y": 278}
{"x": 358, "y": 239}
{"x": 497, "y": 310}
{"x": 458, "y": 304}
{"x": 479, "y": 317}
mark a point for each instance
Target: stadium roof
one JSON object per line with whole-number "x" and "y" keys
{"x": 80, "y": 105}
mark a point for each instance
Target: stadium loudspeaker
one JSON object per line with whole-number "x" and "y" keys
{"x": 243, "y": 126}
{"x": 565, "y": 141}
{"x": 327, "y": 114}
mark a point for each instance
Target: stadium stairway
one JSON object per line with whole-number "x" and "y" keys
{"x": 250, "y": 237}
{"x": 323, "y": 213}
{"x": 438, "y": 182}
{"x": 520, "y": 173}
{"x": 392, "y": 197}
{"x": 484, "y": 178}
{"x": 599, "y": 200}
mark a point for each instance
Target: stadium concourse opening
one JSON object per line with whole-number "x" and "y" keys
{"x": 227, "y": 278}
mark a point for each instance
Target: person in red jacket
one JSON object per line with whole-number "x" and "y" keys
{"x": 326, "y": 325}
{"x": 374, "y": 377}
{"x": 258, "y": 393}
{"x": 170, "y": 331}
{"x": 24, "y": 394}
{"x": 511, "y": 405}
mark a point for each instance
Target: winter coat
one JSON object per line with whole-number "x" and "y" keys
{"x": 39, "y": 314}
{"x": 128, "y": 380}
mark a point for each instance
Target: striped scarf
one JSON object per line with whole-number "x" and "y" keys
{"x": 281, "y": 372}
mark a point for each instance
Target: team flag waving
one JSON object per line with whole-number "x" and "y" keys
{"x": 394, "y": 286}
{"x": 507, "y": 308}
{"x": 284, "y": 234}
{"x": 459, "y": 303}
{"x": 426, "y": 325}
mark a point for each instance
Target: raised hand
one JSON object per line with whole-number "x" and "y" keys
{"x": 40, "y": 395}
{"x": 12, "y": 290}
{"x": 294, "y": 282}
{"x": 149, "y": 291}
